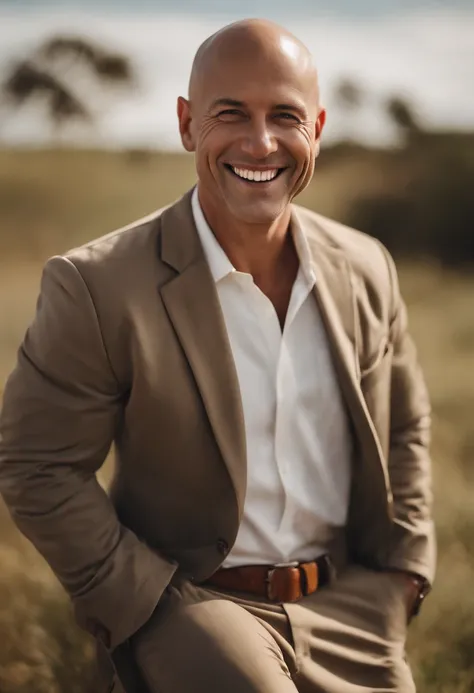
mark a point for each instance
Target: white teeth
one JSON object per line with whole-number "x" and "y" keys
{"x": 257, "y": 176}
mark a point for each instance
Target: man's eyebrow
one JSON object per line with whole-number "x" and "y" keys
{"x": 235, "y": 103}
{"x": 227, "y": 102}
{"x": 290, "y": 107}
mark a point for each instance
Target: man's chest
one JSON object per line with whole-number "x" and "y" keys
{"x": 288, "y": 384}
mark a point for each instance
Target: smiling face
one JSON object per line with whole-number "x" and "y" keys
{"x": 253, "y": 121}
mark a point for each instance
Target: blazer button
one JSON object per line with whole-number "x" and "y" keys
{"x": 222, "y": 546}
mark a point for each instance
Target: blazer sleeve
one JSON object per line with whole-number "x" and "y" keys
{"x": 60, "y": 409}
{"x": 413, "y": 545}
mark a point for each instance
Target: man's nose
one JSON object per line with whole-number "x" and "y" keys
{"x": 259, "y": 141}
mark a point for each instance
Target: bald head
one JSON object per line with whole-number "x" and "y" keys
{"x": 253, "y": 120}
{"x": 257, "y": 41}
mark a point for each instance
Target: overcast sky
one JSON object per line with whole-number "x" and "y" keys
{"x": 354, "y": 8}
{"x": 423, "y": 51}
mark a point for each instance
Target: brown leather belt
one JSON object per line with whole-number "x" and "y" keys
{"x": 276, "y": 583}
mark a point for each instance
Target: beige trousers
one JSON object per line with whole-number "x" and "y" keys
{"x": 348, "y": 637}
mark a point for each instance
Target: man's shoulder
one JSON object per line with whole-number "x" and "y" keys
{"x": 356, "y": 245}
{"x": 366, "y": 256}
{"x": 125, "y": 244}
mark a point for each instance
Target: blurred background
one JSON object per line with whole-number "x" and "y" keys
{"x": 89, "y": 142}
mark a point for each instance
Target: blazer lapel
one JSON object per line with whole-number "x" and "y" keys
{"x": 193, "y": 307}
{"x": 335, "y": 297}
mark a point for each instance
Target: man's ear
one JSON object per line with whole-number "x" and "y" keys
{"x": 320, "y": 123}
{"x": 185, "y": 120}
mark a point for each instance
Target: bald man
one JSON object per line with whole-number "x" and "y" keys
{"x": 268, "y": 527}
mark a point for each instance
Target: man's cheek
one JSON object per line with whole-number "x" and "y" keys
{"x": 304, "y": 177}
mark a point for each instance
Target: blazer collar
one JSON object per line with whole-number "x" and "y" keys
{"x": 333, "y": 291}
{"x": 180, "y": 244}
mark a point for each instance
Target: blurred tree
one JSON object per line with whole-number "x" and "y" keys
{"x": 26, "y": 80}
{"x": 403, "y": 116}
{"x": 348, "y": 94}
{"x": 109, "y": 67}
{"x": 348, "y": 99}
{"x": 42, "y": 77}
{"x": 351, "y": 98}
{"x": 424, "y": 207}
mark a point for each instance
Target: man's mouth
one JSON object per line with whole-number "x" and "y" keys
{"x": 255, "y": 175}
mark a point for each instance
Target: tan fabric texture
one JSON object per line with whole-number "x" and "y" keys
{"x": 129, "y": 346}
{"x": 346, "y": 638}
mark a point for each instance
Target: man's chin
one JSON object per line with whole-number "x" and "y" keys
{"x": 257, "y": 212}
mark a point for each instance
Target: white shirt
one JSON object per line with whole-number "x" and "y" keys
{"x": 298, "y": 441}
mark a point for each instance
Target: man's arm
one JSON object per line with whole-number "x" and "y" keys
{"x": 61, "y": 406}
{"x": 413, "y": 547}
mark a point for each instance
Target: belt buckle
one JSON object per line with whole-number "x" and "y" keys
{"x": 271, "y": 596}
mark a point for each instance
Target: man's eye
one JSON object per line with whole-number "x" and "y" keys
{"x": 230, "y": 112}
{"x": 288, "y": 116}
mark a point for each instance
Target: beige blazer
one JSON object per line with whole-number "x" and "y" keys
{"x": 129, "y": 345}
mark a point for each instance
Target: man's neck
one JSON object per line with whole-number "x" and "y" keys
{"x": 261, "y": 250}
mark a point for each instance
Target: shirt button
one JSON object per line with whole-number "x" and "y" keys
{"x": 222, "y": 546}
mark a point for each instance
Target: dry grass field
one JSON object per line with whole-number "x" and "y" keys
{"x": 50, "y": 201}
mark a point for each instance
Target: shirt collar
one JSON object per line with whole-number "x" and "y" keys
{"x": 219, "y": 263}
